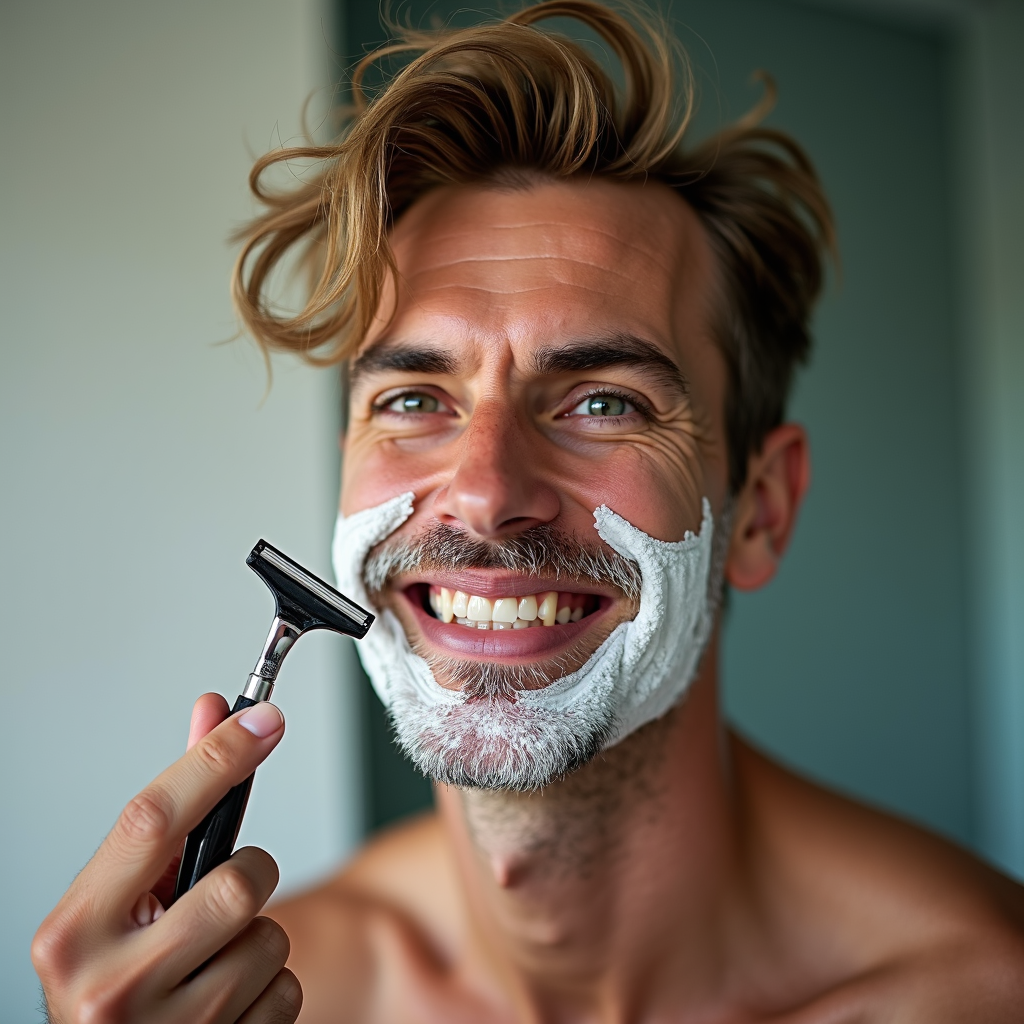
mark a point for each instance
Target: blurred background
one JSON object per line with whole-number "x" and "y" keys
{"x": 141, "y": 453}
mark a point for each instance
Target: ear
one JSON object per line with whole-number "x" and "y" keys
{"x": 767, "y": 506}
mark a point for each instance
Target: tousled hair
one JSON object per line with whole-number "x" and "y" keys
{"x": 506, "y": 101}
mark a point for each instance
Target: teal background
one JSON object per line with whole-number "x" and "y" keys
{"x": 852, "y": 664}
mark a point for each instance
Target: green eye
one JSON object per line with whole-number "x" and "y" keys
{"x": 414, "y": 403}
{"x": 603, "y": 405}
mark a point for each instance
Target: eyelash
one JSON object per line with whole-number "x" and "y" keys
{"x": 382, "y": 403}
{"x": 641, "y": 407}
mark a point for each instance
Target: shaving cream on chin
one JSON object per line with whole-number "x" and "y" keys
{"x": 640, "y": 671}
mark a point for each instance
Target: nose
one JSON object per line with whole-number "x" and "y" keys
{"x": 495, "y": 490}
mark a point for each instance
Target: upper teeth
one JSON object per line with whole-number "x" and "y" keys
{"x": 506, "y": 612}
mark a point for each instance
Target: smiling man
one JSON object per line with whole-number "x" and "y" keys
{"x": 569, "y": 340}
{"x": 533, "y": 372}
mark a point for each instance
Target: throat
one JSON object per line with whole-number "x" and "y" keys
{"x": 572, "y": 830}
{"x": 525, "y": 843}
{"x": 622, "y": 869}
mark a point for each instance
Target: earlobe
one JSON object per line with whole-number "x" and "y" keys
{"x": 767, "y": 507}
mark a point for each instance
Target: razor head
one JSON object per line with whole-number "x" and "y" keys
{"x": 304, "y": 600}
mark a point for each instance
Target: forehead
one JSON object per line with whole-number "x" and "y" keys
{"x": 551, "y": 261}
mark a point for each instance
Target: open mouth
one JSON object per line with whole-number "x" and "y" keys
{"x": 548, "y": 608}
{"x": 513, "y": 626}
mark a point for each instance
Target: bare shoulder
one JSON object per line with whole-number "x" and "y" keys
{"x": 913, "y": 927}
{"x": 394, "y": 910}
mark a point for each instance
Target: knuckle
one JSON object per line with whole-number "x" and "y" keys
{"x": 101, "y": 1003}
{"x": 51, "y": 948}
{"x": 57, "y": 944}
{"x": 214, "y": 754}
{"x": 232, "y": 893}
{"x": 147, "y": 817}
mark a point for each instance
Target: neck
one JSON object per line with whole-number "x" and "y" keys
{"x": 587, "y": 896}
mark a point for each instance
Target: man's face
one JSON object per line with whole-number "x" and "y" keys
{"x": 550, "y": 352}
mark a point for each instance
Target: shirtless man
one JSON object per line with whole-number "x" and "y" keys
{"x": 589, "y": 326}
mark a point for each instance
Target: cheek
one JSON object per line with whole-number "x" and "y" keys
{"x": 656, "y": 483}
{"x": 658, "y": 494}
{"x": 375, "y": 470}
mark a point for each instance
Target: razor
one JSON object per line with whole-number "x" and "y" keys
{"x": 304, "y": 602}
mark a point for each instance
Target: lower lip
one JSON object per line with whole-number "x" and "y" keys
{"x": 528, "y": 644}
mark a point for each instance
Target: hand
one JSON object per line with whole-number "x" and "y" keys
{"x": 110, "y": 953}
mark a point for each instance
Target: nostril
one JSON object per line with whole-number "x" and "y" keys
{"x": 518, "y": 523}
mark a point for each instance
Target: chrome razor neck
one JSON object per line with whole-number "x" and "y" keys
{"x": 279, "y": 642}
{"x": 257, "y": 689}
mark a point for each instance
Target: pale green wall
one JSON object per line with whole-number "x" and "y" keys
{"x": 140, "y": 459}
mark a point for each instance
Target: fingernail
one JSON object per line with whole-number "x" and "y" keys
{"x": 262, "y": 720}
{"x": 147, "y": 910}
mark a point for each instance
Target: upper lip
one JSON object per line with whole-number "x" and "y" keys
{"x": 489, "y": 583}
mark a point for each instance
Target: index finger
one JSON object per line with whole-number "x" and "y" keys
{"x": 149, "y": 830}
{"x": 208, "y": 712}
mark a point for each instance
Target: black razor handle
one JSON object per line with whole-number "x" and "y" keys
{"x": 210, "y": 843}
{"x": 304, "y": 602}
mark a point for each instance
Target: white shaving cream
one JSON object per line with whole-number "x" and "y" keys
{"x": 637, "y": 674}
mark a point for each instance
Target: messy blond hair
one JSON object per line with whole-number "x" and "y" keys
{"x": 485, "y": 104}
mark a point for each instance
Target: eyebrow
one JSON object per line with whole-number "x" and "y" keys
{"x": 587, "y": 354}
{"x": 615, "y": 350}
{"x": 399, "y": 356}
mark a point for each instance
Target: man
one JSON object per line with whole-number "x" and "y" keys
{"x": 569, "y": 343}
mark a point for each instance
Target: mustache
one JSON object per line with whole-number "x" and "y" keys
{"x": 542, "y": 550}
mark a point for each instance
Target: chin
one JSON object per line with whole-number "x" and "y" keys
{"x": 490, "y": 742}
{"x": 491, "y": 738}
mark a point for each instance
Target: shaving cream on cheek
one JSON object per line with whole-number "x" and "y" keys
{"x": 637, "y": 674}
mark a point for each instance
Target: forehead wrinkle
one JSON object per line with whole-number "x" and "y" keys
{"x": 629, "y": 279}
{"x": 521, "y": 290}
{"x": 564, "y": 232}
{"x": 570, "y": 257}
{"x": 566, "y": 237}
{"x": 566, "y": 228}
